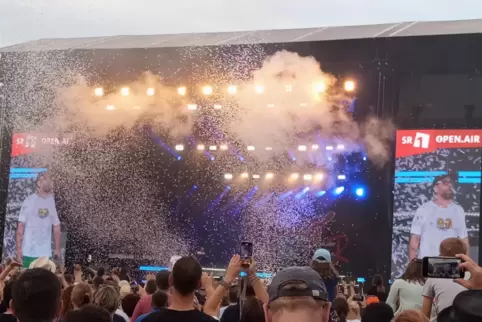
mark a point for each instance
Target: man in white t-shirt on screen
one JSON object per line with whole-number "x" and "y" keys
{"x": 37, "y": 218}
{"x": 437, "y": 220}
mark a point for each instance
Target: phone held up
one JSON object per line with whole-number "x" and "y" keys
{"x": 442, "y": 267}
{"x": 246, "y": 254}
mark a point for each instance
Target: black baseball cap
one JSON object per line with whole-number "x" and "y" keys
{"x": 315, "y": 286}
{"x": 467, "y": 307}
{"x": 439, "y": 178}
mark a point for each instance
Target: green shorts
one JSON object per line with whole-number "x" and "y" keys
{"x": 27, "y": 261}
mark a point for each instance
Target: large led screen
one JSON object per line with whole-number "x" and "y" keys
{"x": 436, "y": 192}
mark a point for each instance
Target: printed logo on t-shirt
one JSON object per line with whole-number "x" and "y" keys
{"x": 42, "y": 212}
{"x": 444, "y": 223}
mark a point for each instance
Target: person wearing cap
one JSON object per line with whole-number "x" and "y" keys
{"x": 297, "y": 294}
{"x": 321, "y": 263}
{"x": 436, "y": 220}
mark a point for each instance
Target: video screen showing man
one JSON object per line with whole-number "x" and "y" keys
{"x": 436, "y": 220}
{"x": 37, "y": 219}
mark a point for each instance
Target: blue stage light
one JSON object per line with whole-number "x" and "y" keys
{"x": 321, "y": 193}
{"x": 194, "y": 187}
{"x": 212, "y": 158}
{"x": 179, "y": 158}
{"x": 339, "y": 190}
{"x": 360, "y": 192}
{"x": 364, "y": 158}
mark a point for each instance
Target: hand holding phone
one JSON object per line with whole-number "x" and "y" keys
{"x": 442, "y": 267}
{"x": 246, "y": 254}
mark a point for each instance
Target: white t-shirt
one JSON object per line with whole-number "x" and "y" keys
{"x": 434, "y": 224}
{"x": 39, "y": 215}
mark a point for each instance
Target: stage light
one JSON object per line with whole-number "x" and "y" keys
{"x": 289, "y": 88}
{"x": 232, "y": 90}
{"x": 294, "y": 176}
{"x": 207, "y": 90}
{"x": 251, "y": 148}
{"x": 307, "y": 177}
{"x": 259, "y": 89}
{"x": 200, "y": 147}
{"x": 256, "y": 176}
{"x": 179, "y": 158}
{"x": 319, "y": 176}
{"x": 217, "y": 106}
{"x": 110, "y": 107}
{"x": 223, "y": 147}
{"x": 269, "y": 175}
{"x": 360, "y": 192}
{"x": 321, "y": 193}
{"x": 270, "y": 105}
{"x": 315, "y": 147}
{"x": 329, "y": 148}
{"x": 341, "y": 177}
{"x": 302, "y": 148}
{"x": 99, "y": 91}
{"x": 244, "y": 175}
{"x": 339, "y": 190}
{"x": 192, "y": 107}
{"x": 182, "y": 90}
{"x": 150, "y": 91}
{"x": 268, "y": 148}
{"x": 349, "y": 86}
{"x": 125, "y": 91}
{"x": 179, "y": 147}
{"x": 364, "y": 158}
{"x": 228, "y": 176}
{"x": 319, "y": 87}
{"x": 213, "y": 148}
{"x": 340, "y": 147}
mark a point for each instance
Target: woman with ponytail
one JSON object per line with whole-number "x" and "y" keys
{"x": 81, "y": 295}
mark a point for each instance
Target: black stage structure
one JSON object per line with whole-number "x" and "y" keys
{"x": 420, "y": 74}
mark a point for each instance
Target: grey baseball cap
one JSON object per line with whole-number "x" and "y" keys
{"x": 315, "y": 286}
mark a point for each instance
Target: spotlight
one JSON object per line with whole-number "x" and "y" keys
{"x": 179, "y": 147}
{"x": 319, "y": 176}
{"x": 182, "y": 91}
{"x": 200, "y": 147}
{"x": 259, "y": 89}
{"x": 339, "y": 190}
{"x": 192, "y": 107}
{"x": 232, "y": 90}
{"x": 319, "y": 87}
{"x": 364, "y": 158}
{"x": 268, "y": 148}
{"x": 256, "y": 176}
{"x": 244, "y": 175}
{"x": 360, "y": 192}
{"x": 99, "y": 91}
{"x": 294, "y": 176}
{"x": 213, "y": 148}
{"x": 340, "y": 147}
{"x": 150, "y": 91}
{"x": 217, "y": 106}
{"x": 207, "y": 90}
{"x": 251, "y": 148}
{"x": 321, "y": 193}
{"x": 302, "y": 148}
{"x": 125, "y": 91}
{"x": 269, "y": 175}
{"x": 315, "y": 147}
{"x": 341, "y": 177}
{"x": 228, "y": 176}
{"x": 307, "y": 177}
{"x": 289, "y": 88}
{"x": 223, "y": 147}
{"x": 329, "y": 148}
{"x": 110, "y": 107}
{"x": 349, "y": 86}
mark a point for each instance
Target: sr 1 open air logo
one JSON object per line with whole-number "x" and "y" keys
{"x": 421, "y": 140}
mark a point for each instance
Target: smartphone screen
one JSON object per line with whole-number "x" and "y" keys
{"x": 246, "y": 253}
{"x": 442, "y": 267}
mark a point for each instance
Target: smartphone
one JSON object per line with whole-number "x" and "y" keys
{"x": 360, "y": 280}
{"x": 442, "y": 267}
{"x": 246, "y": 253}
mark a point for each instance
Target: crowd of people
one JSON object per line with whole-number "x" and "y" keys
{"x": 43, "y": 293}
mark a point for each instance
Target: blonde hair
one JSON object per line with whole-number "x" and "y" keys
{"x": 81, "y": 295}
{"x": 410, "y": 316}
{"x": 108, "y": 297}
{"x": 296, "y": 303}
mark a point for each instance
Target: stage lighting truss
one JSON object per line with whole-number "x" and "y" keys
{"x": 315, "y": 178}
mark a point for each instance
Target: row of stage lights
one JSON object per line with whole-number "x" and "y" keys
{"x": 317, "y": 177}
{"x": 349, "y": 86}
{"x": 225, "y": 147}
